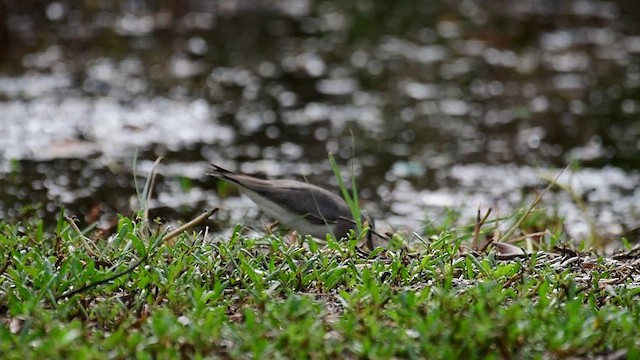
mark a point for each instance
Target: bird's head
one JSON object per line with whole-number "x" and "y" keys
{"x": 369, "y": 222}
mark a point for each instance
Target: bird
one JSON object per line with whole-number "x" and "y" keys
{"x": 303, "y": 207}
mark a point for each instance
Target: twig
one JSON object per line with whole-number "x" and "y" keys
{"x": 566, "y": 251}
{"x": 476, "y": 228}
{"x": 633, "y": 253}
{"x": 522, "y": 237}
{"x": 103, "y": 281}
{"x": 85, "y": 240}
{"x": 190, "y": 224}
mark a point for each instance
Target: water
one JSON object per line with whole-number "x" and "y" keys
{"x": 451, "y": 105}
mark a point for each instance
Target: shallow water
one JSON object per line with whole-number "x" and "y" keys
{"x": 451, "y": 105}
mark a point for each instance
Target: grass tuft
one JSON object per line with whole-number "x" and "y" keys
{"x": 243, "y": 297}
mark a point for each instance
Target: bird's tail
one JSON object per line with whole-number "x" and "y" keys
{"x": 225, "y": 175}
{"x": 218, "y": 172}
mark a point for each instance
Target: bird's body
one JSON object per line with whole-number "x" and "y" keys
{"x": 301, "y": 206}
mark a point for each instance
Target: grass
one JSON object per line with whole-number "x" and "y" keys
{"x": 261, "y": 298}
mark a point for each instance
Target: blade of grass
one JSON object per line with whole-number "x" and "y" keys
{"x": 352, "y": 201}
{"x": 145, "y": 196}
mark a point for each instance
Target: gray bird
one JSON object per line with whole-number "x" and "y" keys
{"x": 301, "y": 206}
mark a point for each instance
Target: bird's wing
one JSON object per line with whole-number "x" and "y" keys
{"x": 315, "y": 203}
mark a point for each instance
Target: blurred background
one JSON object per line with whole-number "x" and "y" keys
{"x": 435, "y": 107}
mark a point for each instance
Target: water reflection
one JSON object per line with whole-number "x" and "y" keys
{"x": 439, "y": 97}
